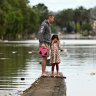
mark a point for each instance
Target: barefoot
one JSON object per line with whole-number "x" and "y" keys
{"x": 57, "y": 75}
{"x": 53, "y": 75}
{"x": 44, "y": 74}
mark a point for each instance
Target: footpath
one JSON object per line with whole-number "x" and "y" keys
{"x": 47, "y": 86}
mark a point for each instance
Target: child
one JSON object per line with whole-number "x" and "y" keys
{"x": 55, "y": 54}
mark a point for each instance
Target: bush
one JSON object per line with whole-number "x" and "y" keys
{"x": 87, "y": 27}
{"x": 78, "y": 27}
{"x": 69, "y": 28}
{"x": 85, "y": 34}
{"x": 53, "y": 28}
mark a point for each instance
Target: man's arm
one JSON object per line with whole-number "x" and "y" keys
{"x": 41, "y": 36}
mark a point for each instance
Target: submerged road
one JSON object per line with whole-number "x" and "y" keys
{"x": 47, "y": 86}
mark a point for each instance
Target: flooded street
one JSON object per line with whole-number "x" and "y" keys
{"x": 20, "y": 60}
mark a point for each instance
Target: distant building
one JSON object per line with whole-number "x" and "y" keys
{"x": 93, "y": 18}
{"x": 94, "y": 25}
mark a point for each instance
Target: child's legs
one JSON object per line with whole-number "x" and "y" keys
{"x": 57, "y": 68}
{"x": 53, "y": 65}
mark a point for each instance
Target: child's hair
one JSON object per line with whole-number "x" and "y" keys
{"x": 53, "y": 37}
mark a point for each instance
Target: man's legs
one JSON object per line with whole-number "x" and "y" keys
{"x": 44, "y": 66}
{"x": 44, "y": 59}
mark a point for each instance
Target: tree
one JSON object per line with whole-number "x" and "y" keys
{"x": 14, "y": 24}
{"x": 69, "y": 28}
{"x": 41, "y": 10}
{"x": 17, "y": 18}
{"x": 63, "y": 18}
{"x": 81, "y": 15}
{"x": 86, "y": 27}
{"x": 2, "y": 24}
{"x": 31, "y": 21}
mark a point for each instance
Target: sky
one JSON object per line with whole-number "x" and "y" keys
{"x": 57, "y": 5}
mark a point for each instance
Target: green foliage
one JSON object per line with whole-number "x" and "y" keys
{"x": 31, "y": 21}
{"x": 64, "y": 17}
{"x": 69, "y": 28}
{"x": 85, "y": 34}
{"x": 17, "y": 18}
{"x": 41, "y": 10}
{"x": 86, "y": 27}
{"x": 2, "y": 23}
{"x": 78, "y": 27}
{"x": 73, "y": 17}
{"x": 53, "y": 29}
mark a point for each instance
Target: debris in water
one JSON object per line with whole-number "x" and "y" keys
{"x": 20, "y": 92}
{"x": 22, "y": 78}
{"x": 65, "y": 50}
{"x": 3, "y": 58}
{"x": 30, "y": 52}
{"x": 14, "y": 52}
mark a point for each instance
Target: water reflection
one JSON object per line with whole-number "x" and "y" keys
{"x": 79, "y": 65}
{"x": 21, "y": 61}
{"x": 14, "y": 60}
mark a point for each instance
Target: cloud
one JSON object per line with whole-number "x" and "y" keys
{"x": 53, "y": 1}
{"x": 55, "y": 5}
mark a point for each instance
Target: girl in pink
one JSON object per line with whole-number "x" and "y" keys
{"x": 55, "y": 54}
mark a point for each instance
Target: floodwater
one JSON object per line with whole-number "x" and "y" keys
{"x": 20, "y": 60}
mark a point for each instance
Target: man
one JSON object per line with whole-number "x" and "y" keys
{"x": 45, "y": 38}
